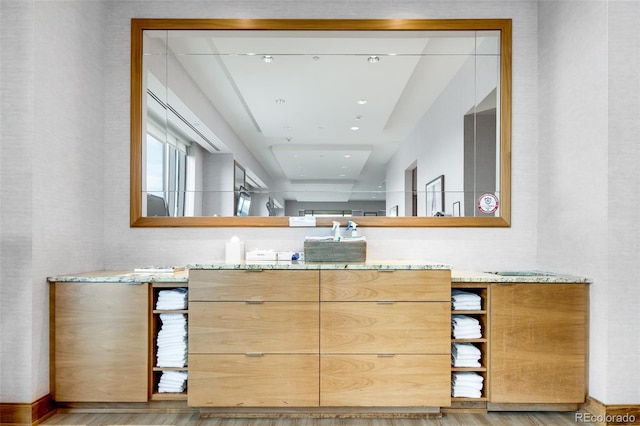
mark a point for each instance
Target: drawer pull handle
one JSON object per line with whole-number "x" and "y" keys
{"x": 385, "y": 302}
{"x": 386, "y": 270}
{"x": 254, "y": 270}
{"x": 253, "y": 354}
{"x": 386, "y": 355}
{"x": 254, "y": 302}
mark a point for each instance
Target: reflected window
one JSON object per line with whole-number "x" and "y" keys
{"x": 166, "y": 174}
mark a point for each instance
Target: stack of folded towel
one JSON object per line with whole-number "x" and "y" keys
{"x": 464, "y": 300}
{"x": 172, "y": 341}
{"x": 465, "y": 327}
{"x": 465, "y": 355}
{"x": 466, "y": 384}
{"x": 172, "y": 299}
{"x": 172, "y": 381}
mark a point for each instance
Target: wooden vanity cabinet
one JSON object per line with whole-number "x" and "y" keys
{"x": 385, "y": 338}
{"x": 99, "y": 342}
{"x": 319, "y": 338}
{"x": 253, "y": 338}
{"x": 538, "y": 343}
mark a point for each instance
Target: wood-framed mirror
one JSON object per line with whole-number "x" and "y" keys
{"x": 428, "y": 98}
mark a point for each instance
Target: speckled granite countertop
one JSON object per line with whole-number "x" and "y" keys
{"x": 457, "y": 276}
{"x": 514, "y": 277}
{"x": 127, "y": 277}
{"x": 382, "y": 264}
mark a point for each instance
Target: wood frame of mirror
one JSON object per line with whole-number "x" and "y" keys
{"x": 138, "y": 26}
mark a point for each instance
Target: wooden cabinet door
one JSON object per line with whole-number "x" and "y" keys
{"x": 538, "y": 343}
{"x": 398, "y": 327}
{"x": 269, "y": 380}
{"x": 100, "y": 342}
{"x": 385, "y": 381}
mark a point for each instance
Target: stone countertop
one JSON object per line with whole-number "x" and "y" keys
{"x": 539, "y": 277}
{"x": 127, "y": 277}
{"x": 368, "y": 265}
{"x": 457, "y": 276}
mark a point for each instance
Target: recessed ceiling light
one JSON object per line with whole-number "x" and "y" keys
{"x": 355, "y": 128}
{"x": 362, "y": 101}
{"x": 373, "y": 59}
{"x": 347, "y": 156}
{"x": 342, "y": 175}
{"x": 267, "y": 59}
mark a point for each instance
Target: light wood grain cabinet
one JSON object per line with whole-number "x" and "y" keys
{"x": 538, "y": 343}
{"x": 385, "y": 338}
{"x": 253, "y": 338}
{"x": 100, "y": 342}
{"x": 311, "y": 338}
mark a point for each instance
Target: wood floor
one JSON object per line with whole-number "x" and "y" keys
{"x": 493, "y": 419}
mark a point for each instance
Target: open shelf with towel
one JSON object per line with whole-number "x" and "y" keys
{"x": 169, "y": 318}
{"x": 469, "y": 342}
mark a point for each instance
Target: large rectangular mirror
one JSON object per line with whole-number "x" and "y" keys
{"x": 250, "y": 122}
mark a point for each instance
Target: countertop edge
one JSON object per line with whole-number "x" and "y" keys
{"x": 182, "y": 277}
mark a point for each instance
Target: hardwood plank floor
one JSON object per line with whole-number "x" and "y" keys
{"x": 191, "y": 419}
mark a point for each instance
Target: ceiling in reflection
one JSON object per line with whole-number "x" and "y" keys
{"x": 323, "y": 113}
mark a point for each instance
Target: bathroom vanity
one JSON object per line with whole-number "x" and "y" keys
{"x": 321, "y": 339}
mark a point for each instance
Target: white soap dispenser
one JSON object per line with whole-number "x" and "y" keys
{"x": 336, "y": 230}
{"x": 353, "y": 227}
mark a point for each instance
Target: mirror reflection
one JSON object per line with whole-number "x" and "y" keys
{"x": 326, "y": 123}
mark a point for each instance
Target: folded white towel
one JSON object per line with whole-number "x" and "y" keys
{"x": 459, "y": 295}
{"x": 466, "y": 306}
{"x": 465, "y": 392}
{"x": 172, "y": 381}
{"x": 467, "y": 332}
{"x": 461, "y": 348}
{"x": 466, "y": 377}
{"x": 464, "y": 320}
{"x": 472, "y": 363}
{"x": 172, "y": 299}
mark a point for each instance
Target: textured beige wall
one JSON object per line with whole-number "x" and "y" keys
{"x": 589, "y": 57}
{"x": 64, "y": 72}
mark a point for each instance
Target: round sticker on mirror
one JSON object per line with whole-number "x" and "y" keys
{"x": 488, "y": 203}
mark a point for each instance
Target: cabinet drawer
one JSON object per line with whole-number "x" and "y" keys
{"x": 257, "y": 285}
{"x": 400, "y": 380}
{"x": 240, "y": 327}
{"x": 397, "y": 327}
{"x": 266, "y": 381}
{"x": 398, "y": 285}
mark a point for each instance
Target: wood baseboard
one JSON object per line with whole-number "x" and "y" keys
{"x": 601, "y": 414}
{"x": 27, "y": 414}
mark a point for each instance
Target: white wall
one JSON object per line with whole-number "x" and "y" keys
{"x": 67, "y": 209}
{"x": 464, "y": 248}
{"x": 589, "y": 57}
{"x": 52, "y": 188}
